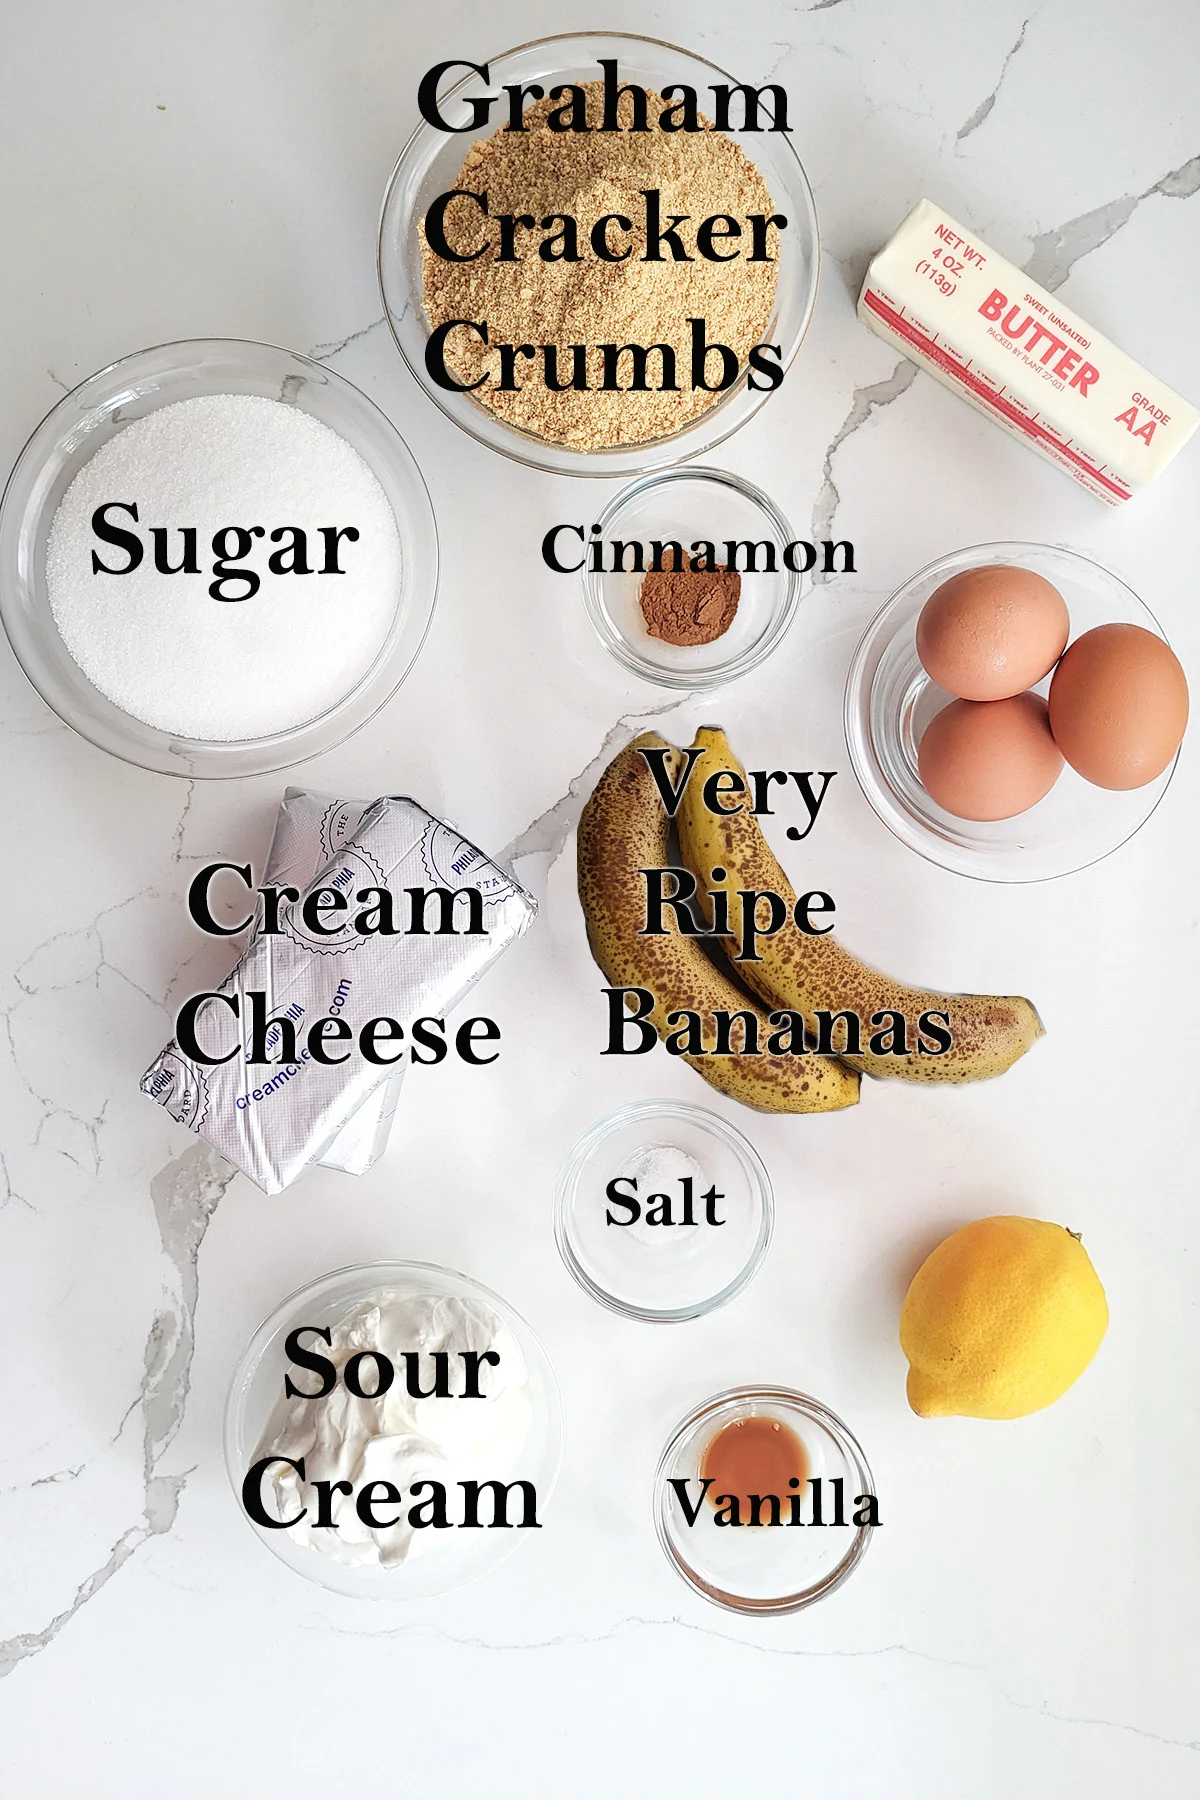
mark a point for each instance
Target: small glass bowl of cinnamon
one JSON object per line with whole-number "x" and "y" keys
{"x": 763, "y": 1500}
{"x": 686, "y": 578}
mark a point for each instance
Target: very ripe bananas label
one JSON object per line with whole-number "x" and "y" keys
{"x": 714, "y": 954}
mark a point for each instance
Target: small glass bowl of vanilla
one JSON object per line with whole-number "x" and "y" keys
{"x": 763, "y": 1500}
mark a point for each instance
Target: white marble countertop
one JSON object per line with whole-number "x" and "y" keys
{"x": 1026, "y": 1618}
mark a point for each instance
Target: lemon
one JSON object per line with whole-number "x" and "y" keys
{"x": 1000, "y": 1320}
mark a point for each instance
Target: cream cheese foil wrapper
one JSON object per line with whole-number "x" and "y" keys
{"x": 309, "y": 830}
{"x": 272, "y": 1120}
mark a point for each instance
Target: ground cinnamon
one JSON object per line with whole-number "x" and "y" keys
{"x": 688, "y": 605}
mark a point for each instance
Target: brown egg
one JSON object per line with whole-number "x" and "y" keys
{"x": 1119, "y": 705}
{"x": 992, "y": 632}
{"x": 989, "y": 759}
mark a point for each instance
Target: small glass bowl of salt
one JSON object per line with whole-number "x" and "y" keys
{"x": 663, "y": 1211}
{"x": 129, "y": 523}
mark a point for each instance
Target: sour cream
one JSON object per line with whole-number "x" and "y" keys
{"x": 473, "y": 1432}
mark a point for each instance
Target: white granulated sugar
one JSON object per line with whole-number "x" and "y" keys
{"x": 161, "y": 647}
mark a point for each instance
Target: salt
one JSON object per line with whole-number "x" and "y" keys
{"x": 661, "y": 1168}
{"x": 160, "y": 646}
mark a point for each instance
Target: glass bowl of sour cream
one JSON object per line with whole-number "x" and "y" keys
{"x": 393, "y": 1431}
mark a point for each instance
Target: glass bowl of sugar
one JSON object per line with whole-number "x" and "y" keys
{"x": 217, "y": 558}
{"x": 663, "y": 1212}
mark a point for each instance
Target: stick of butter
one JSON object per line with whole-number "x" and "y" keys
{"x": 1021, "y": 356}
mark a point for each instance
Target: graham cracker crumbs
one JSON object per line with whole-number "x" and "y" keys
{"x": 588, "y": 175}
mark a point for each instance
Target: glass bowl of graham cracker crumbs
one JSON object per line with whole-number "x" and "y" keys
{"x": 597, "y": 236}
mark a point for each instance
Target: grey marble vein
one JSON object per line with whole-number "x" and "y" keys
{"x": 547, "y": 834}
{"x": 8, "y": 1193}
{"x": 32, "y": 979}
{"x": 975, "y": 119}
{"x": 162, "y": 1502}
{"x": 635, "y": 1622}
{"x": 864, "y": 402}
{"x": 189, "y": 795}
{"x": 1056, "y": 252}
{"x": 59, "y": 1475}
{"x": 185, "y": 1194}
{"x": 325, "y": 352}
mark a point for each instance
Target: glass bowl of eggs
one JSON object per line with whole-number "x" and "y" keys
{"x": 1014, "y": 712}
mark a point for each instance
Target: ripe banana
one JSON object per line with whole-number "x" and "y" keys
{"x": 988, "y": 1032}
{"x": 624, "y": 829}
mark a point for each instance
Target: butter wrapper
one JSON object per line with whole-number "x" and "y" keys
{"x": 1022, "y": 356}
{"x": 274, "y": 1120}
{"x": 309, "y": 830}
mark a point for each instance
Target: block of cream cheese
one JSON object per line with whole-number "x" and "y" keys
{"x": 309, "y": 830}
{"x": 274, "y": 1120}
{"x": 1022, "y": 356}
